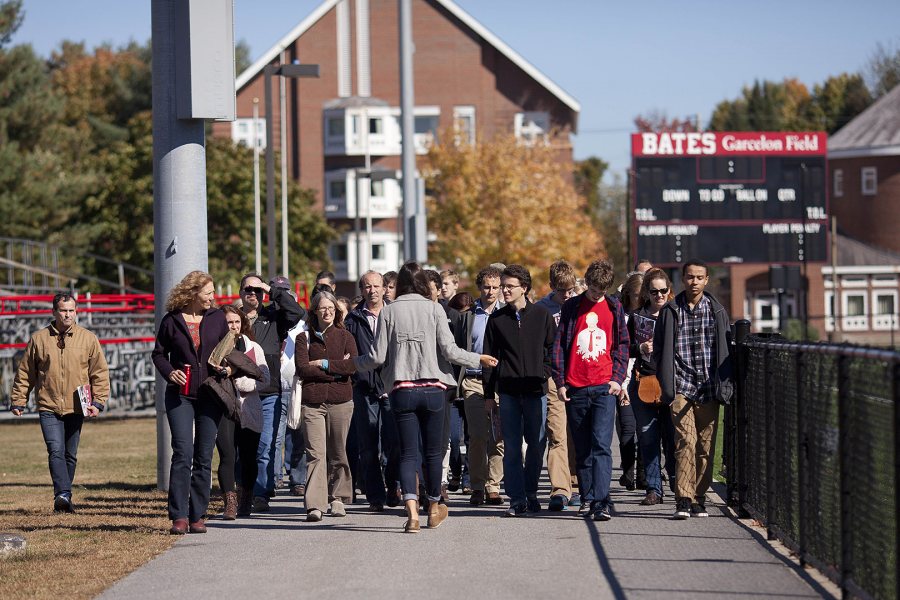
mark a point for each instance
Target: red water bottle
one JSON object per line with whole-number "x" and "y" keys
{"x": 186, "y": 388}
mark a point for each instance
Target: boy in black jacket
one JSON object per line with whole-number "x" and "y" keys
{"x": 521, "y": 336}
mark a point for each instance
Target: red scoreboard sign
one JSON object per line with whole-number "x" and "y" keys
{"x": 730, "y": 197}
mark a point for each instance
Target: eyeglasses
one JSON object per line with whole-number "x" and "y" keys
{"x": 325, "y": 309}
{"x": 61, "y": 341}
{"x": 505, "y": 288}
{"x": 660, "y": 292}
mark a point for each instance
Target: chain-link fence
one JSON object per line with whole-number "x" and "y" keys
{"x": 811, "y": 452}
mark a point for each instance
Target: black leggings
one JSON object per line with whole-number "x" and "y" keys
{"x": 232, "y": 440}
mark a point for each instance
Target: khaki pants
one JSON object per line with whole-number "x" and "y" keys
{"x": 325, "y": 428}
{"x": 560, "y": 450}
{"x": 485, "y": 456}
{"x": 695, "y": 438}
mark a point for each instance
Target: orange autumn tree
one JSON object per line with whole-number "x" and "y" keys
{"x": 501, "y": 200}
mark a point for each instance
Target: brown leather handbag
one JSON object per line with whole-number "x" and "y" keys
{"x": 649, "y": 391}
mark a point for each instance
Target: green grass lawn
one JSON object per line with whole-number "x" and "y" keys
{"x": 121, "y": 518}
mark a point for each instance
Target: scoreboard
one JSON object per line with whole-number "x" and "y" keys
{"x": 730, "y": 197}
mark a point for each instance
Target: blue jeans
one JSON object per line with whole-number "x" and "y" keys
{"x": 376, "y": 435}
{"x": 61, "y": 434}
{"x": 591, "y": 413}
{"x": 265, "y": 454}
{"x": 654, "y": 424}
{"x": 420, "y": 411}
{"x": 523, "y": 417}
{"x": 281, "y": 455}
{"x": 295, "y": 456}
{"x": 194, "y": 423}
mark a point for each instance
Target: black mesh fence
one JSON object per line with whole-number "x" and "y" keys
{"x": 812, "y": 454}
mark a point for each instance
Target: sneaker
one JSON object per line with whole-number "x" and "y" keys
{"x": 584, "y": 509}
{"x": 575, "y": 500}
{"x": 260, "y": 504}
{"x": 558, "y": 503}
{"x": 698, "y": 509}
{"x": 337, "y": 509}
{"x": 515, "y": 510}
{"x": 602, "y": 513}
{"x": 651, "y": 498}
{"x": 314, "y": 516}
{"x": 63, "y": 503}
{"x": 445, "y": 494}
{"x": 682, "y": 508}
{"x": 493, "y": 498}
{"x": 453, "y": 484}
{"x": 533, "y": 505}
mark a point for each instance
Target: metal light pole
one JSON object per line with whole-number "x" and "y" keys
{"x": 406, "y": 111}
{"x": 257, "y": 217}
{"x": 282, "y": 110}
{"x": 268, "y": 72}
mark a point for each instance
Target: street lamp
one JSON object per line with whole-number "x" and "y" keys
{"x": 294, "y": 71}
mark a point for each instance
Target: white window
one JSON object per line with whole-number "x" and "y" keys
{"x": 339, "y": 252}
{"x": 376, "y": 188}
{"x": 337, "y": 189}
{"x": 884, "y": 317}
{"x": 378, "y": 252}
{"x": 869, "y": 176}
{"x": 242, "y": 132}
{"x": 854, "y": 311}
{"x": 856, "y": 305}
{"x": 885, "y": 304}
{"x": 336, "y": 126}
{"x": 376, "y": 126}
{"x": 838, "y": 180}
{"x": 532, "y": 127}
{"x": 464, "y": 124}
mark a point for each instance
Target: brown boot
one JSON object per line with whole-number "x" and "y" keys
{"x": 231, "y": 506}
{"x": 437, "y": 513}
{"x": 412, "y": 513}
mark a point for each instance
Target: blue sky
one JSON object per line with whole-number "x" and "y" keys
{"x": 618, "y": 59}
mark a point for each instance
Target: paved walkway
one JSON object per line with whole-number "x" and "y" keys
{"x": 641, "y": 553}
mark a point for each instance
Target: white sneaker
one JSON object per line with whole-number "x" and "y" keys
{"x": 337, "y": 509}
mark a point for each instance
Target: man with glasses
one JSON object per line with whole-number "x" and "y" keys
{"x": 693, "y": 365}
{"x": 59, "y": 359}
{"x": 520, "y": 335}
{"x": 484, "y": 450}
{"x": 590, "y": 359}
{"x": 560, "y": 450}
{"x": 271, "y": 324}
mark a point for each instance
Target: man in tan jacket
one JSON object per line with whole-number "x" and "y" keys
{"x": 58, "y": 360}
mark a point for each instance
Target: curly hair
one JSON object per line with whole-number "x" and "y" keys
{"x": 599, "y": 274}
{"x": 184, "y": 292}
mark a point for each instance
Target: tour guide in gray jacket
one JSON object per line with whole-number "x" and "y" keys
{"x": 414, "y": 347}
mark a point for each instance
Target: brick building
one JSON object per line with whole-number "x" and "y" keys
{"x": 343, "y": 134}
{"x": 855, "y": 299}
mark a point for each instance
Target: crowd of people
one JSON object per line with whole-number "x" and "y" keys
{"x": 394, "y": 383}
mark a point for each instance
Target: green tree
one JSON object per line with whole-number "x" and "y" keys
{"x": 883, "y": 69}
{"x": 839, "y": 100}
{"x": 500, "y": 200}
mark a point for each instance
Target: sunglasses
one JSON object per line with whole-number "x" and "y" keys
{"x": 61, "y": 341}
{"x": 253, "y": 290}
{"x": 659, "y": 292}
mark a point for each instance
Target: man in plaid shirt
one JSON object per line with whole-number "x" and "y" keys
{"x": 589, "y": 363}
{"x": 691, "y": 353}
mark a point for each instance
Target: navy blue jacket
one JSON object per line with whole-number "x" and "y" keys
{"x": 174, "y": 347}
{"x": 368, "y": 382}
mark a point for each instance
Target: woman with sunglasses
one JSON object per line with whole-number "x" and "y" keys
{"x": 323, "y": 357}
{"x": 653, "y": 420}
{"x": 187, "y": 335}
{"x": 414, "y": 347}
